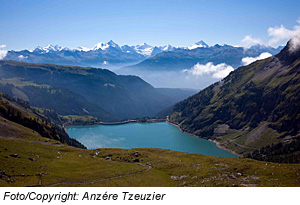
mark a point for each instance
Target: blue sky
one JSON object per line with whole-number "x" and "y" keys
{"x": 72, "y": 23}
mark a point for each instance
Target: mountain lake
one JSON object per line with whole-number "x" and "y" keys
{"x": 144, "y": 135}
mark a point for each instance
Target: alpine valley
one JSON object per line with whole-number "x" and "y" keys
{"x": 253, "y": 113}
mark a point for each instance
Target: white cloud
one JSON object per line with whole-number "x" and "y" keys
{"x": 295, "y": 44}
{"x": 248, "y": 60}
{"x": 280, "y": 35}
{"x": 248, "y": 41}
{"x": 21, "y": 57}
{"x": 2, "y": 54}
{"x": 218, "y": 71}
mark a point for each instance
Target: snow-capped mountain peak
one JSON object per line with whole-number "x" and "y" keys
{"x": 144, "y": 49}
{"x": 112, "y": 44}
{"x": 200, "y": 44}
{"x": 48, "y": 48}
{"x": 144, "y": 46}
{"x": 167, "y": 47}
{"x": 104, "y": 46}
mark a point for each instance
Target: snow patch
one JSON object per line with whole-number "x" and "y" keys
{"x": 21, "y": 57}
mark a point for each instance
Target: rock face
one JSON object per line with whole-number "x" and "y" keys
{"x": 260, "y": 105}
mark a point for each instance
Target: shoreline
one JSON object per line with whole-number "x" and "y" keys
{"x": 116, "y": 123}
{"x": 157, "y": 121}
{"x": 224, "y": 148}
{"x": 214, "y": 141}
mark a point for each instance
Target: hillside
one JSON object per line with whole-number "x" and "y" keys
{"x": 61, "y": 100}
{"x": 19, "y": 119}
{"x": 115, "y": 95}
{"x": 254, "y": 111}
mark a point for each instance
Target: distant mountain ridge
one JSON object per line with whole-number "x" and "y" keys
{"x": 112, "y": 54}
{"x": 100, "y": 54}
{"x": 181, "y": 59}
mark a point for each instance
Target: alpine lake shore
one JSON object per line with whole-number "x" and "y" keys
{"x": 95, "y": 121}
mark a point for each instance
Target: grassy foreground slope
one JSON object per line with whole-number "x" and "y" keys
{"x": 30, "y": 160}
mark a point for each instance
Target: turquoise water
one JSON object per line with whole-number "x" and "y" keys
{"x": 142, "y": 135}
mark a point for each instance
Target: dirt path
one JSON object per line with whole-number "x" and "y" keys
{"x": 105, "y": 179}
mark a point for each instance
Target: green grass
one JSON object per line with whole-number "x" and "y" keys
{"x": 71, "y": 166}
{"x": 19, "y": 82}
{"x": 79, "y": 120}
{"x": 244, "y": 137}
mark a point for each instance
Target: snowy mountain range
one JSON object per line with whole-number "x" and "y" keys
{"x": 144, "y": 49}
{"x": 111, "y": 54}
{"x": 101, "y": 55}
